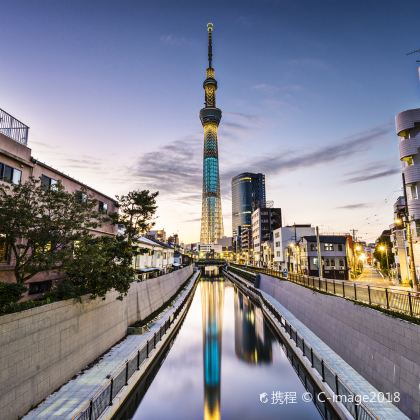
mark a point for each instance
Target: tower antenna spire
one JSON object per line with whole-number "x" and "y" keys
{"x": 210, "y": 49}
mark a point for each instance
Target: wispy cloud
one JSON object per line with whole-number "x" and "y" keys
{"x": 354, "y": 206}
{"x": 175, "y": 169}
{"x": 370, "y": 176}
{"x": 295, "y": 160}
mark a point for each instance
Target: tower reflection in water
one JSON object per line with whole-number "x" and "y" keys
{"x": 253, "y": 338}
{"x": 212, "y": 295}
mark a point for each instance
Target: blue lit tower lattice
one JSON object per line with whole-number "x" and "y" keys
{"x": 210, "y": 116}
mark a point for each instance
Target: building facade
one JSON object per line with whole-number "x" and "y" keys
{"x": 248, "y": 194}
{"x": 16, "y": 166}
{"x": 407, "y": 125}
{"x": 264, "y": 221}
{"x": 210, "y": 116}
{"x": 284, "y": 237}
{"x": 333, "y": 256}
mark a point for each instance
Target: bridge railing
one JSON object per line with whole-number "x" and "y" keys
{"x": 401, "y": 301}
{"x": 104, "y": 397}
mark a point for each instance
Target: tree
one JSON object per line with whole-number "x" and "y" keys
{"x": 98, "y": 265}
{"x": 384, "y": 255}
{"x": 137, "y": 209}
{"x": 41, "y": 224}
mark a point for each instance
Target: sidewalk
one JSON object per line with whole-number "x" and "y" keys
{"x": 65, "y": 402}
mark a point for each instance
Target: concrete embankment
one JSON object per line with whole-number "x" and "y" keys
{"x": 384, "y": 349}
{"x": 44, "y": 347}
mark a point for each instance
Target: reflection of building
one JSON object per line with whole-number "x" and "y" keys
{"x": 210, "y": 116}
{"x": 252, "y": 336}
{"x": 248, "y": 194}
{"x": 212, "y": 295}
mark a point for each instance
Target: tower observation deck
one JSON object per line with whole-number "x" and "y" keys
{"x": 210, "y": 116}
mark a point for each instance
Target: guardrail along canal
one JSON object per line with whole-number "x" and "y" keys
{"x": 224, "y": 363}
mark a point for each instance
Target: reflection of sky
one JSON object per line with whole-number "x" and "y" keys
{"x": 112, "y": 90}
{"x": 177, "y": 390}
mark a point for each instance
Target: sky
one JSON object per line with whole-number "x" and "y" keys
{"x": 308, "y": 90}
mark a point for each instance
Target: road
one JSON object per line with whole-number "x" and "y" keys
{"x": 372, "y": 276}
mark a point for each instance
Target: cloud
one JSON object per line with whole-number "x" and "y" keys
{"x": 178, "y": 41}
{"x": 354, "y": 206}
{"x": 368, "y": 175}
{"x": 174, "y": 169}
{"x": 295, "y": 160}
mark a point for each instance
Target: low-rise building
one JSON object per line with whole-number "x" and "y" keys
{"x": 154, "y": 257}
{"x": 333, "y": 256}
{"x": 284, "y": 237}
{"x": 16, "y": 166}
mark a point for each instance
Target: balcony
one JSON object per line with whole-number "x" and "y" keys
{"x": 13, "y": 128}
{"x": 412, "y": 174}
{"x": 406, "y": 120}
{"x": 409, "y": 147}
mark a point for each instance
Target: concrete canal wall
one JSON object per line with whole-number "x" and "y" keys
{"x": 42, "y": 348}
{"x": 383, "y": 349}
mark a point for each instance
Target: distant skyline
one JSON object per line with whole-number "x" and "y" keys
{"x": 309, "y": 91}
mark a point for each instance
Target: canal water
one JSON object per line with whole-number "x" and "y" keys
{"x": 225, "y": 363}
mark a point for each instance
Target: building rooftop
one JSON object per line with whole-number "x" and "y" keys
{"x": 13, "y": 128}
{"x": 333, "y": 239}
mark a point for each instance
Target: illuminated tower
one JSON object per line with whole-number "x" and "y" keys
{"x": 210, "y": 116}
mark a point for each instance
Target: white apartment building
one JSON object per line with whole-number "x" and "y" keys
{"x": 288, "y": 236}
{"x": 155, "y": 257}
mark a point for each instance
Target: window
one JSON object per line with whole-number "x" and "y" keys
{"x": 81, "y": 196}
{"x": 340, "y": 247}
{"x": 4, "y": 255}
{"x": 341, "y": 263}
{"x": 332, "y": 262}
{"x": 277, "y": 244}
{"x": 277, "y": 234}
{"x": 9, "y": 174}
{"x": 102, "y": 207}
{"x": 278, "y": 253}
{"x": 327, "y": 262}
{"x": 328, "y": 247}
{"x": 315, "y": 262}
{"x": 313, "y": 247}
{"x": 40, "y": 287}
{"x": 48, "y": 182}
{"x": 409, "y": 160}
{"x": 414, "y": 193}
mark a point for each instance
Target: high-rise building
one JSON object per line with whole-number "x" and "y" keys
{"x": 264, "y": 221}
{"x": 210, "y": 116}
{"x": 248, "y": 194}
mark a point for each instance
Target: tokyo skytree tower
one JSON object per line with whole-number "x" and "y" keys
{"x": 210, "y": 116}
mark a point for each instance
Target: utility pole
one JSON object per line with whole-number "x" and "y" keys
{"x": 413, "y": 276}
{"x": 318, "y": 248}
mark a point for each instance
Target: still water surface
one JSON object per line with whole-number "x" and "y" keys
{"x": 223, "y": 358}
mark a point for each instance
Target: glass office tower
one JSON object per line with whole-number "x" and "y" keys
{"x": 248, "y": 194}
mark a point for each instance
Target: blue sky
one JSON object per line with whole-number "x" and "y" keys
{"x": 308, "y": 90}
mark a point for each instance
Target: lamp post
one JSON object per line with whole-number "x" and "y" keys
{"x": 383, "y": 248}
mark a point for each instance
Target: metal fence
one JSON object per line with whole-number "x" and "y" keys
{"x": 406, "y": 302}
{"x": 13, "y": 128}
{"x": 119, "y": 378}
{"x": 338, "y": 386}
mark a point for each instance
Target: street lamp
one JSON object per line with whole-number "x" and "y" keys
{"x": 383, "y": 248}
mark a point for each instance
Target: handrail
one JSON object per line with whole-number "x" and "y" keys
{"x": 13, "y": 128}
{"x": 328, "y": 375}
{"x": 104, "y": 396}
{"x": 398, "y": 301}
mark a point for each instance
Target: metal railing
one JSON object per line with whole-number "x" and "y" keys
{"x": 337, "y": 385}
{"x": 13, "y": 128}
{"x": 405, "y": 302}
{"x": 119, "y": 378}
